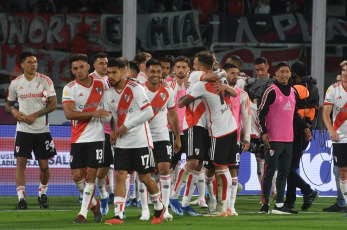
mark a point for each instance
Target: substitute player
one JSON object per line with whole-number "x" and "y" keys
{"x": 81, "y": 102}
{"x": 36, "y": 98}
{"x": 163, "y": 105}
{"x": 130, "y": 110}
{"x": 336, "y": 101}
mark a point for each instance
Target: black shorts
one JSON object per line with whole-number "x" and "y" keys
{"x": 89, "y": 154}
{"x": 40, "y": 143}
{"x": 198, "y": 143}
{"x": 237, "y": 157}
{"x": 136, "y": 159}
{"x": 223, "y": 150}
{"x": 177, "y": 156}
{"x": 162, "y": 151}
{"x": 257, "y": 147}
{"x": 340, "y": 156}
{"x": 108, "y": 155}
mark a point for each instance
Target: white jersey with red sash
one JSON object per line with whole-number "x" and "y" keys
{"x": 179, "y": 91}
{"x": 221, "y": 121}
{"x": 195, "y": 112}
{"x": 336, "y": 96}
{"x": 125, "y": 106}
{"x": 161, "y": 100}
{"x": 86, "y": 99}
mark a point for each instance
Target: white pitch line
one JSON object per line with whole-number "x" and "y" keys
{"x": 36, "y": 211}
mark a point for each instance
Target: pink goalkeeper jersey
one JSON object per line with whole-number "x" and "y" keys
{"x": 279, "y": 120}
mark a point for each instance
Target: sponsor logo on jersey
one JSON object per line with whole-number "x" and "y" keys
{"x": 124, "y": 111}
{"x": 287, "y": 106}
{"x": 99, "y": 90}
{"x": 17, "y": 149}
{"x": 21, "y": 87}
{"x": 157, "y": 109}
{"x": 112, "y": 101}
{"x": 328, "y": 91}
{"x": 162, "y": 95}
{"x": 80, "y": 95}
{"x": 65, "y": 93}
{"x": 197, "y": 151}
{"x": 90, "y": 105}
{"x": 31, "y": 95}
{"x": 339, "y": 97}
{"x": 38, "y": 85}
{"x": 342, "y": 110}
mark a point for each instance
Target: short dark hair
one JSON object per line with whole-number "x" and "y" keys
{"x": 227, "y": 66}
{"x": 281, "y": 64}
{"x": 78, "y": 57}
{"x": 182, "y": 59}
{"x": 24, "y": 56}
{"x": 237, "y": 59}
{"x": 167, "y": 58}
{"x": 339, "y": 73}
{"x": 299, "y": 69}
{"x": 141, "y": 57}
{"x": 116, "y": 62}
{"x": 152, "y": 61}
{"x": 260, "y": 60}
{"x": 133, "y": 65}
{"x": 99, "y": 55}
{"x": 206, "y": 58}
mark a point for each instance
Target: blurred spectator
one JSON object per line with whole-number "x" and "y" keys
{"x": 80, "y": 44}
{"x": 279, "y": 6}
{"x": 86, "y": 6}
{"x": 43, "y": 6}
{"x": 263, "y": 7}
{"x": 63, "y": 8}
{"x": 204, "y": 8}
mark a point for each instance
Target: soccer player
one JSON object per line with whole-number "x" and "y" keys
{"x": 336, "y": 101}
{"x": 222, "y": 128}
{"x": 163, "y": 105}
{"x": 81, "y": 102}
{"x": 241, "y": 110}
{"x": 36, "y": 98}
{"x": 130, "y": 110}
{"x": 141, "y": 59}
{"x": 276, "y": 112}
{"x": 167, "y": 65}
{"x": 261, "y": 67}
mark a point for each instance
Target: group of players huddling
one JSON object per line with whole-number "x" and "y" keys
{"x": 141, "y": 119}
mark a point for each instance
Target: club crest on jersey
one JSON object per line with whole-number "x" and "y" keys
{"x": 271, "y": 152}
{"x": 17, "y": 149}
{"x": 38, "y": 85}
{"x": 197, "y": 151}
{"x": 126, "y": 97}
{"x": 163, "y": 96}
{"x": 99, "y": 90}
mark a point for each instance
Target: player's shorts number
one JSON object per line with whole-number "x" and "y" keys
{"x": 99, "y": 155}
{"x": 49, "y": 144}
{"x": 145, "y": 161}
{"x": 169, "y": 150}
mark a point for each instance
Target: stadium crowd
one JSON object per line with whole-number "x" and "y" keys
{"x": 138, "y": 117}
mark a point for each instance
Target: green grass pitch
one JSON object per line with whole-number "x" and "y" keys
{"x": 63, "y": 210}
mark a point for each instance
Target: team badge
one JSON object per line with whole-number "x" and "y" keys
{"x": 162, "y": 95}
{"x": 99, "y": 90}
{"x": 17, "y": 149}
{"x": 126, "y": 96}
{"x": 112, "y": 101}
{"x": 65, "y": 93}
{"x": 197, "y": 151}
{"x": 38, "y": 85}
{"x": 272, "y": 152}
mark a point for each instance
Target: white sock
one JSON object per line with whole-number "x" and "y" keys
{"x": 143, "y": 195}
{"x": 233, "y": 191}
{"x": 101, "y": 184}
{"x": 165, "y": 184}
{"x": 88, "y": 194}
{"x": 343, "y": 187}
{"x": 181, "y": 180}
{"x": 119, "y": 206}
{"x": 172, "y": 179}
{"x": 21, "y": 192}
{"x": 43, "y": 189}
{"x": 201, "y": 186}
{"x": 273, "y": 187}
{"x": 156, "y": 201}
{"x": 190, "y": 188}
{"x": 136, "y": 187}
{"x": 260, "y": 169}
{"x": 110, "y": 179}
{"x": 127, "y": 187}
{"x": 209, "y": 187}
{"x": 223, "y": 184}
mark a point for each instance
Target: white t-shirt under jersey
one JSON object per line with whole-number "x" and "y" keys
{"x": 32, "y": 96}
{"x": 86, "y": 99}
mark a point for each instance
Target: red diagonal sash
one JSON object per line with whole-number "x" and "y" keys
{"x": 159, "y": 101}
{"x": 123, "y": 106}
{"x": 341, "y": 117}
